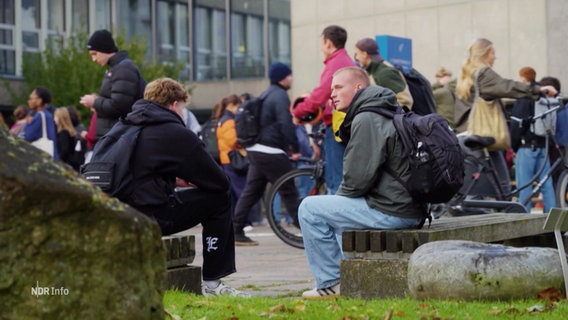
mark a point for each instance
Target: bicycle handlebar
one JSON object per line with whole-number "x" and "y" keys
{"x": 558, "y": 104}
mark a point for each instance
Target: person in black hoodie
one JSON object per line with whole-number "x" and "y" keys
{"x": 122, "y": 85}
{"x": 178, "y": 184}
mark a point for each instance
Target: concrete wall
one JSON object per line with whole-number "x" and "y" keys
{"x": 525, "y": 33}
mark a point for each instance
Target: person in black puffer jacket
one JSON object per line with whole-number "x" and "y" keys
{"x": 122, "y": 85}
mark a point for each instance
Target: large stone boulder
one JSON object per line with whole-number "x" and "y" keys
{"x": 467, "y": 270}
{"x": 68, "y": 251}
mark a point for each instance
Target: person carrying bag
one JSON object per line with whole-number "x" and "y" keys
{"x": 487, "y": 119}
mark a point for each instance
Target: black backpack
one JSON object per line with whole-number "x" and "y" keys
{"x": 420, "y": 90}
{"x": 247, "y": 121}
{"x": 434, "y": 154}
{"x": 209, "y": 137}
{"x": 110, "y": 163}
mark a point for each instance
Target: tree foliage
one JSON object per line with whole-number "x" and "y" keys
{"x": 66, "y": 69}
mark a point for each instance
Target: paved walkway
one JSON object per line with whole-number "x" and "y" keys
{"x": 272, "y": 268}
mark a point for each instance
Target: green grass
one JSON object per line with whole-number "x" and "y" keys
{"x": 180, "y": 305}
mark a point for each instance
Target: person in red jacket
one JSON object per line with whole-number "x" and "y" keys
{"x": 333, "y": 40}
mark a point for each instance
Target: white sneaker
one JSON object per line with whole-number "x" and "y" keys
{"x": 248, "y": 228}
{"x": 222, "y": 290}
{"x": 320, "y": 294}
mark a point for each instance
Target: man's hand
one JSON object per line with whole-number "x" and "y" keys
{"x": 295, "y": 156}
{"x": 296, "y": 121}
{"x": 88, "y": 100}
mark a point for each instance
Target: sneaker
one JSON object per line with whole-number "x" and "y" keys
{"x": 248, "y": 228}
{"x": 242, "y": 240}
{"x": 222, "y": 290}
{"x": 320, "y": 294}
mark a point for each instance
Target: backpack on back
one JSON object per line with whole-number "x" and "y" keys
{"x": 548, "y": 122}
{"x": 110, "y": 164}
{"x": 209, "y": 137}
{"x": 434, "y": 154}
{"x": 247, "y": 121}
{"x": 420, "y": 90}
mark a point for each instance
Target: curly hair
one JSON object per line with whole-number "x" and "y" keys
{"x": 164, "y": 91}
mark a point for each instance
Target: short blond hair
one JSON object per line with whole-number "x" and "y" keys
{"x": 164, "y": 91}
{"x": 356, "y": 73}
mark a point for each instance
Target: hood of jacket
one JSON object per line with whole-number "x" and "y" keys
{"x": 364, "y": 100}
{"x": 145, "y": 112}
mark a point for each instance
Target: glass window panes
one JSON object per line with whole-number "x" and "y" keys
{"x": 102, "y": 13}
{"x": 279, "y": 31}
{"x": 210, "y": 43}
{"x": 56, "y": 16}
{"x": 7, "y": 62}
{"x": 247, "y": 38}
{"x": 135, "y": 21}
{"x": 7, "y": 12}
{"x": 80, "y": 15}
{"x": 30, "y": 25}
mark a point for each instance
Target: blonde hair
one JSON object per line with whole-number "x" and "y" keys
{"x": 63, "y": 121}
{"x": 357, "y": 74}
{"x": 164, "y": 91}
{"x": 477, "y": 53}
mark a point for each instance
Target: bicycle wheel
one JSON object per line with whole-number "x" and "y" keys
{"x": 562, "y": 190}
{"x": 276, "y": 213}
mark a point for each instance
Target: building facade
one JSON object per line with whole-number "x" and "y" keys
{"x": 226, "y": 45}
{"x": 525, "y": 33}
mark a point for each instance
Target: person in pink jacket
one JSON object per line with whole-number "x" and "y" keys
{"x": 333, "y": 40}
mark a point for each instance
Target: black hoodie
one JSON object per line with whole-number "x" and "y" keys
{"x": 167, "y": 149}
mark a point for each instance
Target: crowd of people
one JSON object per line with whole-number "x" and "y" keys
{"x": 180, "y": 185}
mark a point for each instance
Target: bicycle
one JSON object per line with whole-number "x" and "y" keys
{"x": 462, "y": 204}
{"x": 309, "y": 181}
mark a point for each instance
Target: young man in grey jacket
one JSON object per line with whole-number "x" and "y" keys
{"x": 368, "y": 197}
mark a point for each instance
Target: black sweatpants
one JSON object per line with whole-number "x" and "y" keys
{"x": 213, "y": 211}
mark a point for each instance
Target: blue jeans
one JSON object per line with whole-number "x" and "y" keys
{"x": 333, "y": 170}
{"x": 323, "y": 219}
{"x": 527, "y": 163}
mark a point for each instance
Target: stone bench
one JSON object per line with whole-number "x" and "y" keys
{"x": 180, "y": 253}
{"x": 376, "y": 261}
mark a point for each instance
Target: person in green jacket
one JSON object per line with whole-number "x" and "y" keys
{"x": 444, "y": 94}
{"x": 368, "y": 197}
{"x": 381, "y": 72}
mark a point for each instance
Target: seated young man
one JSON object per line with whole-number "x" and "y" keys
{"x": 168, "y": 155}
{"x": 368, "y": 197}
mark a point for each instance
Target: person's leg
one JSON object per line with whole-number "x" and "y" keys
{"x": 238, "y": 182}
{"x": 333, "y": 171}
{"x": 212, "y": 210}
{"x": 547, "y": 189}
{"x": 277, "y": 165}
{"x": 323, "y": 218}
{"x": 524, "y": 170}
{"x": 254, "y": 189}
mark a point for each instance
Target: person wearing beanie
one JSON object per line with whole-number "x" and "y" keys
{"x": 122, "y": 84}
{"x": 380, "y": 72}
{"x": 332, "y": 45}
{"x": 269, "y": 158}
{"x": 278, "y": 71}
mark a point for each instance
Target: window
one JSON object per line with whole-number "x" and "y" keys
{"x": 30, "y": 25}
{"x": 102, "y": 13}
{"x": 55, "y": 21}
{"x": 7, "y": 48}
{"x": 247, "y": 38}
{"x": 210, "y": 40}
{"x": 279, "y": 31}
{"x": 134, "y": 19}
{"x": 79, "y": 16}
{"x": 172, "y": 34}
